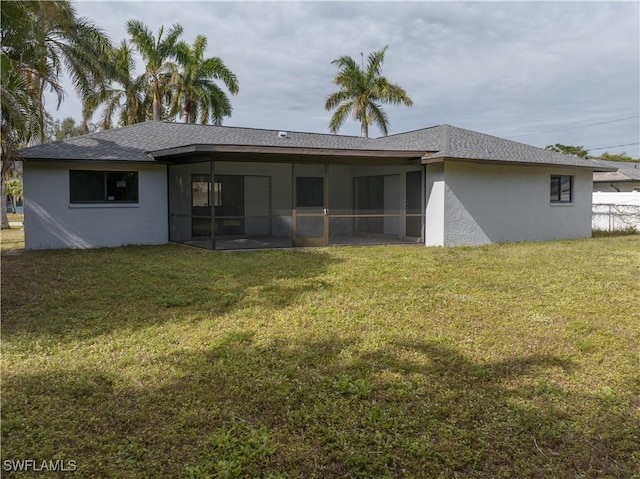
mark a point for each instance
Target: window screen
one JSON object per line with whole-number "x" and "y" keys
{"x": 309, "y": 191}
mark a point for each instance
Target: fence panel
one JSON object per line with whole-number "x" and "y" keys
{"x": 613, "y": 211}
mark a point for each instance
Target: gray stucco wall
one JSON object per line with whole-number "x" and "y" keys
{"x": 51, "y": 221}
{"x": 465, "y": 203}
{"x": 434, "y": 213}
{"x": 495, "y": 204}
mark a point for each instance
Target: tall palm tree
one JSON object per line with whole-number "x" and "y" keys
{"x": 40, "y": 41}
{"x": 361, "y": 92}
{"x": 157, "y": 54}
{"x": 20, "y": 120}
{"x": 45, "y": 39}
{"x": 124, "y": 94}
{"x": 197, "y": 96}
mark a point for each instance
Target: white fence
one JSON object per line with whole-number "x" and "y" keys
{"x": 613, "y": 211}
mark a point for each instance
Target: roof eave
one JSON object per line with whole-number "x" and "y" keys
{"x": 622, "y": 179}
{"x": 440, "y": 159}
{"x": 190, "y": 149}
{"x": 149, "y": 159}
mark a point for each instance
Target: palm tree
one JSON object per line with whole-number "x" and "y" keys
{"x": 361, "y": 93}
{"x": 39, "y": 41}
{"x": 46, "y": 38}
{"x": 20, "y": 120}
{"x": 123, "y": 95}
{"x": 157, "y": 54}
{"x": 197, "y": 96}
{"x": 13, "y": 189}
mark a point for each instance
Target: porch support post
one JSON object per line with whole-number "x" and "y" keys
{"x": 293, "y": 205}
{"x": 326, "y": 204}
{"x": 424, "y": 205}
{"x": 212, "y": 202}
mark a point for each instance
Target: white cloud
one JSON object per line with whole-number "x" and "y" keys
{"x": 505, "y": 68}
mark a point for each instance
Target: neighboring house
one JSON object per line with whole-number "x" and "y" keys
{"x": 627, "y": 178}
{"x": 227, "y": 187}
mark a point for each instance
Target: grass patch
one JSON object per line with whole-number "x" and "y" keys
{"x": 499, "y": 361}
{"x": 15, "y": 217}
{"x": 612, "y": 234}
{"x": 11, "y": 239}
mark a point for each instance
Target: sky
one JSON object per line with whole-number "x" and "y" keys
{"x": 536, "y": 72}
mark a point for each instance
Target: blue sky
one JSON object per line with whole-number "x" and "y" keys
{"x": 536, "y": 72}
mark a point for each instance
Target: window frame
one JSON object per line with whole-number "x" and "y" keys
{"x": 109, "y": 178}
{"x": 558, "y": 198}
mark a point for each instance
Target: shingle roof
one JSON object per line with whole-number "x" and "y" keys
{"x": 453, "y": 142}
{"x": 134, "y": 142}
{"x": 627, "y": 171}
{"x": 140, "y": 141}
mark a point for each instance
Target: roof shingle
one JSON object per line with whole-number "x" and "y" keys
{"x": 136, "y": 142}
{"x": 627, "y": 171}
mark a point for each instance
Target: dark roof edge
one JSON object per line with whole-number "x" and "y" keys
{"x": 205, "y": 148}
{"x": 95, "y": 160}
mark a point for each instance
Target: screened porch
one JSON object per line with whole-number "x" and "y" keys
{"x": 228, "y": 205}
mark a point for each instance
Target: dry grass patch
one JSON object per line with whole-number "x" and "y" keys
{"x": 11, "y": 239}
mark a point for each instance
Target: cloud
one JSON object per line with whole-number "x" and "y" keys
{"x": 505, "y": 68}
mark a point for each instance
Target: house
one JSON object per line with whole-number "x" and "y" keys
{"x": 626, "y": 178}
{"x": 228, "y": 188}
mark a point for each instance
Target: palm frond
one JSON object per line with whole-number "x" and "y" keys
{"x": 379, "y": 117}
{"x": 339, "y": 116}
{"x": 374, "y": 63}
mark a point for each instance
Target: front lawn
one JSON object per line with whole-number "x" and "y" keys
{"x": 514, "y": 361}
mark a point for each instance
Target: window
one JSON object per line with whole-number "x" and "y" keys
{"x": 201, "y": 192}
{"x": 561, "y": 189}
{"x": 91, "y": 186}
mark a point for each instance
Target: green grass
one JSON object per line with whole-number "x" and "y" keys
{"x": 509, "y": 361}
{"x": 609, "y": 234}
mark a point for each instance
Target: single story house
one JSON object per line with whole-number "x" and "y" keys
{"x": 227, "y": 188}
{"x": 626, "y": 178}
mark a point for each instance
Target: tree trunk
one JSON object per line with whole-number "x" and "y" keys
{"x": 185, "y": 113}
{"x": 364, "y": 130}
{"x": 3, "y": 204}
{"x": 157, "y": 115}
